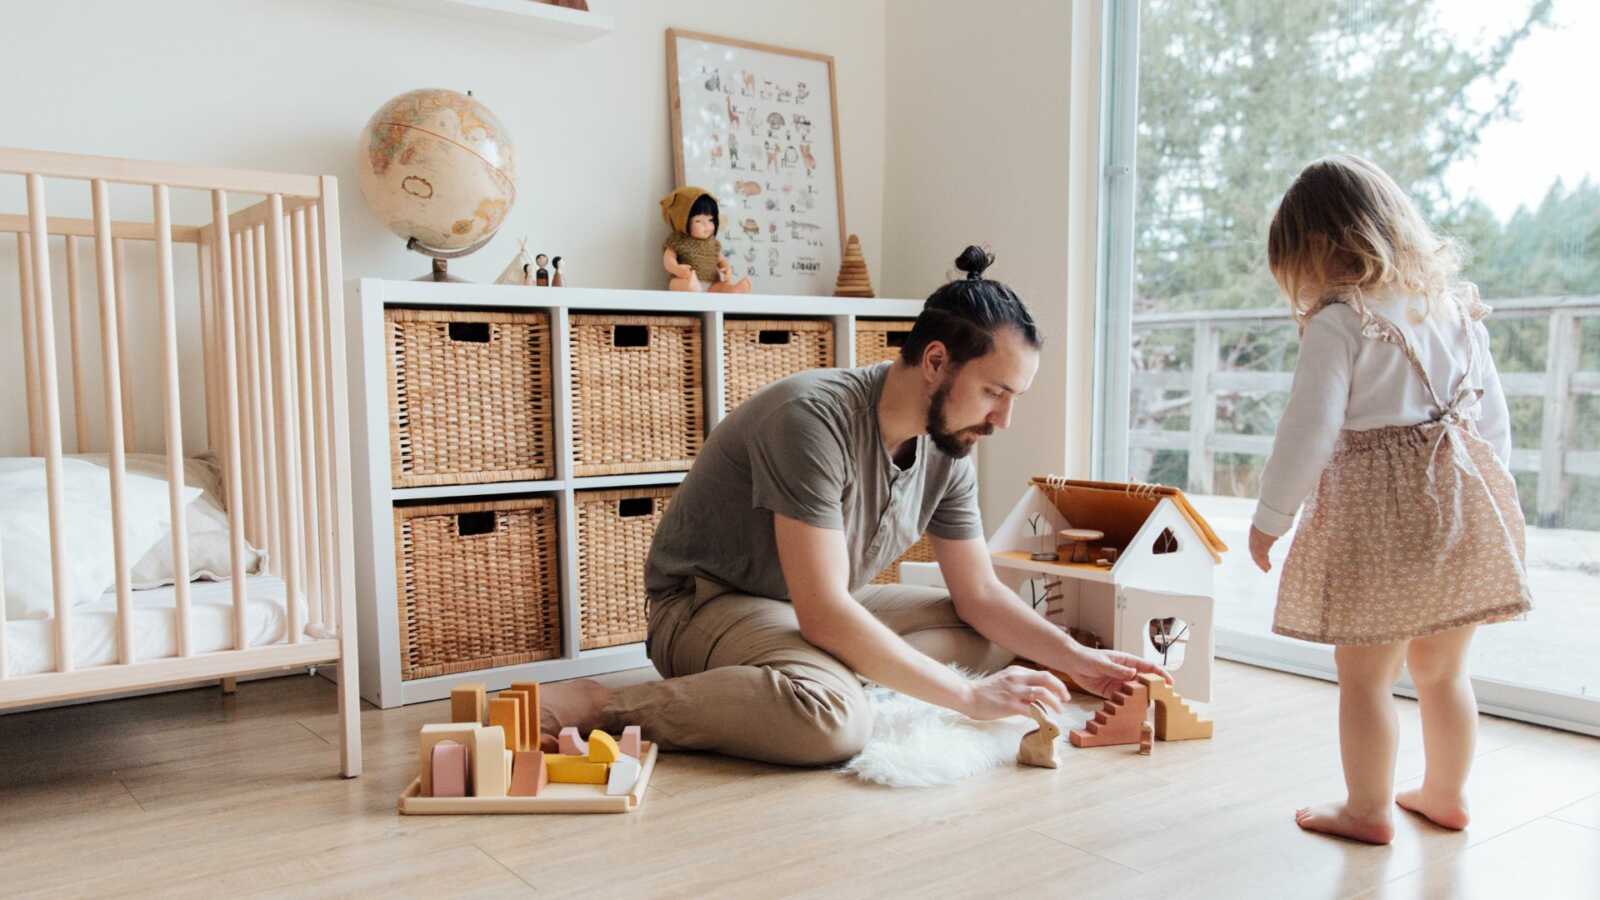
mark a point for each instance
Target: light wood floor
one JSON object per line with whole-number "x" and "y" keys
{"x": 197, "y": 794}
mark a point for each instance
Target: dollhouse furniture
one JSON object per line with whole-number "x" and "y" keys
{"x": 268, "y": 365}
{"x": 515, "y": 449}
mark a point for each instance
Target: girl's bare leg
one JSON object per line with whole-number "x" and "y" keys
{"x": 1367, "y": 742}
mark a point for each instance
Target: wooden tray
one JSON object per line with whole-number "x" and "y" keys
{"x": 556, "y": 798}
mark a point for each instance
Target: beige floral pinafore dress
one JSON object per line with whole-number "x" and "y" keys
{"x": 1412, "y": 529}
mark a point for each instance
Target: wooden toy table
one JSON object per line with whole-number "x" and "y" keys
{"x": 555, "y": 798}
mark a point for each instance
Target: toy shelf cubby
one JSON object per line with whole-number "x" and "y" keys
{"x": 376, "y": 498}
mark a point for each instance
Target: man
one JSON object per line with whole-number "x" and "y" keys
{"x": 762, "y": 622}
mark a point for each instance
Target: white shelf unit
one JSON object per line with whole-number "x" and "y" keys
{"x": 574, "y": 25}
{"x": 374, "y": 497}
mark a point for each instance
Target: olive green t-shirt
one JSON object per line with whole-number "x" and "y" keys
{"x": 808, "y": 447}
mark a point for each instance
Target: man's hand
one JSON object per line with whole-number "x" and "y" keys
{"x": 1260, "y": 544}
{"x": 1010, "y": 691}
{"x": 1102, "y": 672}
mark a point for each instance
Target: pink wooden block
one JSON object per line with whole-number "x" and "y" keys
{"x": 571, "y": 743}
{"x": 450, "y": 769}
{"x": 631, "y": 739}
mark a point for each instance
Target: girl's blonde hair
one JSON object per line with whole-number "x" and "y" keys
{"x": 1345, "y": 229}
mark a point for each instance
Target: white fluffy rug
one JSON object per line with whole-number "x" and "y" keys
{"x": 917, "y": 744}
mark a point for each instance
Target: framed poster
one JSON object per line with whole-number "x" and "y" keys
{"x": 757, "y": 126}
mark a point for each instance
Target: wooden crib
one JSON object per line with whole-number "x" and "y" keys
{"x": 271, "y": 346}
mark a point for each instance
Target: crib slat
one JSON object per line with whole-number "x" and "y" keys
{"x": 288, "y": 483}
{"x": 80, "y": 422}
{"x": 252, "y": 373}
{"x": 307, "y": 484}
{"x": 44, "y": 322}
{"x": 323, "y": 425}
{"x": 119, "y": 266}
{"x": 111, "y": 378}
{"x": 242, "y": 381}
{"x": 269, "y": 411}
{"x": 30, "y": 364}
{"x": 174, "y": 420}
{"x": 230, "y": 402}
{"x": 206, "y": 278}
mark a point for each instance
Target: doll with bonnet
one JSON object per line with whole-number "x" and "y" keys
{"x": 692, "y": 254}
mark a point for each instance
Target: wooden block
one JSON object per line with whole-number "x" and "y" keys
{"x": 1175, "y": 721}
{"x": 567, "y": 769}
{"x": 1146, "y": 736}
{"x": 571, "y": 744}
{"x": 528, "y": 774}
{"x": 506, "y": 712}
{"x": 624, "y": 772}
{"x": 450, "y": 769}
{"x": 527, "y": 739}
{"x": 468, "y": 703}
{"x": 489, "y": 775}
{"x": 603, "y": 747}
{"x": 463, "y": 733}
{"x": 530, "y": 727}
{"x": 631, "y": 739}
{"x": 1118, "y": 720}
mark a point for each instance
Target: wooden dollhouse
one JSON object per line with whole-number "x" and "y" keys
{"x": 1145, "y": 585}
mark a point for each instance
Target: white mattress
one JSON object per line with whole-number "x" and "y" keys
{"x": 31, "y": 643}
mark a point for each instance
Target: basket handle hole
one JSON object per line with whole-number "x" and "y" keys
{"x": 636, "y": 506}
{"x": 470, "y": 332}
{"x": 469, "y": 524}
{"x": 896, "y": 338}
{"x": 772, "y": 336}
{"x": 630, "y": 336}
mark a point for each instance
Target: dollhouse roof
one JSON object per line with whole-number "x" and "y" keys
{"x": 1119, "y": 509}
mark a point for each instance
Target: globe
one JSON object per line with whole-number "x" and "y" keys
{"x": 436, "y": 166}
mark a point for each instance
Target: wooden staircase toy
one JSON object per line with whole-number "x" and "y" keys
{"x": 1118, "y": 720}
{"x": 1175, "y": 721}
{"x": 1038, "y": 747}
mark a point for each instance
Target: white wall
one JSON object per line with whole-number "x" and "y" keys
{"x": 977, "y": 153}
{"x": 287, "y": 85}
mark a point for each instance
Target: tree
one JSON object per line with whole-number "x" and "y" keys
{"x": 1235, "y": 96}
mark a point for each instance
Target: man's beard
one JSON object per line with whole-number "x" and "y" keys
{"x": 956, "y": 444}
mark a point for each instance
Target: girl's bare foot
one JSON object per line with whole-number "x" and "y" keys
{"x": 1336, "y": 819}
{"x": 576, "y": 703}
{"x": 1445, "y": 812}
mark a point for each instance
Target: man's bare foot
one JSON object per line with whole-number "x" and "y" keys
{"x": 1335, "y": 819}
{"x": 1445, "y": 812}
{"x": 576, "y": 703}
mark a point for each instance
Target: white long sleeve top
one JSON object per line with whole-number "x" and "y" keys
{"x": 1346, "y": 381}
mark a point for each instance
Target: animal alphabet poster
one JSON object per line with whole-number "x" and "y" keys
{"x": 757, "y": 126}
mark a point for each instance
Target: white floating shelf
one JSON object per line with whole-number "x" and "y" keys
{"x": 530, "y": 15}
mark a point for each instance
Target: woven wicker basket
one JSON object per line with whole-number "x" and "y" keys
{"x": 615, "y": 529}
{"x": 477, "y": 585}
{"x": 759, "y": 352}
{"x": 469, "y": 396}
{"x": 636, "y": 393}
{"x": 921, "y": 551}
{"x": 880, "y": 340}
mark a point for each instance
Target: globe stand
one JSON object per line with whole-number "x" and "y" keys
{"x": 441, "y": 258}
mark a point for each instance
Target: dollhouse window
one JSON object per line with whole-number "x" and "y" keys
{"x": 1166, "y": 542}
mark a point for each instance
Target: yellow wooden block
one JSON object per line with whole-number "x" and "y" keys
{"x": 603, "y": 747}
{"x": 574, "y": 770}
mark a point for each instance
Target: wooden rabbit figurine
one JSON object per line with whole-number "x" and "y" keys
{"x": 1038, "y": 747}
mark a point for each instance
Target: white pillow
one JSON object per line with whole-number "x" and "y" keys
{"x": 86, "y": 521}
{"x": 210, "y": 553}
